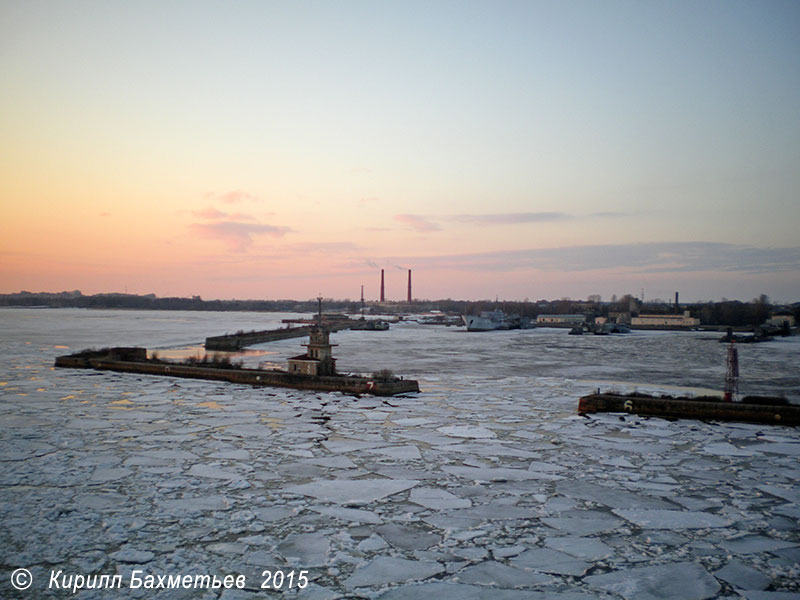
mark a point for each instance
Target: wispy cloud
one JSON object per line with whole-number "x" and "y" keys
{"x": 214, "y": 214}
{"x": 608, "y": 215}
{"x": 511, "y": 218}
{"x": 232, "y": 197}
{"x": 236, "y": 235}
{"x": 432, "y": 223}
{"x": 667, "y": 257}
{"x": 209, "y": 213}
{"x": 326, "y": 248}
{"x": 417, "y": 222}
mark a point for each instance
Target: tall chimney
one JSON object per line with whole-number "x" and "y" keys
{"x": 383, "y": 297}
{"x": 409, "y": 286}
{"x": 677, "y": 306}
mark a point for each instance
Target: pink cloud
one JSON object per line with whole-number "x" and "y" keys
{"x": 417, "y": 222}
{"x": 235, "y": 197}
{"x": 236, "y": 235}
{"x": 243, "y": 217}
{"x": 214, "y": 214}
{"x": 512, "y": 218}
{"x": 209, "y": 213}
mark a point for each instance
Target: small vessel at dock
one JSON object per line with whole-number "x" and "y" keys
{"x": 492, "y": 321}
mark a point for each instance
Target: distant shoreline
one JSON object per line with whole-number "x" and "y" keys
{"x": 742, "y": 316}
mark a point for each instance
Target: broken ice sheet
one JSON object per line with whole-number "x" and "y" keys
{"x": 499, "y": 474}
{"x": 671, "y": 519}
{"x": 387, "y": 569}
{"x": 550, "y": 561}
{"x": 200, "y": 470}
{"x": 580, "y": 547}
{"x": 614, "y": 498}
{"x": 348, "y": 514}
{"x": 464, "y": 591}
{"x": 792, "y": 495}
{"x": 583, "y": 523}
{"x": 372, "y": 543}
{"x": 341, "y": 446}
{"x": 752, "y": 544}
{"x": 740, "y": 575}
{"x": 408, "y": 537}
{"x": 407, "y": 452}
{"x": 677, "y": 581}
{"x": 352, "y": 491}
{"x": 492, "y": 573}
{"x": 307, "y": 549}
{"x": 466, "y": 431}
{"x": 437, "y": 499}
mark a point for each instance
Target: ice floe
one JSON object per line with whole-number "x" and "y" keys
{"x": 671, "y": 519}
{"x": 348, "y": 491}
{"x": 677, "y": 581}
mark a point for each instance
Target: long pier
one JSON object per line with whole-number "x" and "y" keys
{"x": 231, "y": 342}
{"x": 690, "y": 408}
{"x": 134, "y": 360}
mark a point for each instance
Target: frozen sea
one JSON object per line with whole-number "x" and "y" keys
{"x": 484, "y": 485}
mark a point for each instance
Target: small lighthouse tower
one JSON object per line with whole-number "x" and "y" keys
{"x": 318, "y": 359}
{"x": 732, "y": 375}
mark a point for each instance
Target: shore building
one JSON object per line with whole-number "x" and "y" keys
{"x": 684, "y": 320}
{"x": 779, "y": 319}
{"x": 560, "y": 319}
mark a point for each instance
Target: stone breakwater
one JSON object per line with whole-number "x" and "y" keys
{"x": 231, "y": 342}
{"x": 134, "y": 360}
{"x": 689, "y": 408}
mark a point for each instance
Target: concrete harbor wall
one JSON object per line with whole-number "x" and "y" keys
{"x": 236, "y": 341}
{"x": 231, "y": 342}
{"x": 687, "y": 408}
{"x": 103, "y": 361}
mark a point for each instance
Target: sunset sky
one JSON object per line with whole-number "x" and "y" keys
{"x": 516, "y": 150}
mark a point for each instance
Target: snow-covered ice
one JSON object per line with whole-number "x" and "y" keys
{"x": 486, "y": 485}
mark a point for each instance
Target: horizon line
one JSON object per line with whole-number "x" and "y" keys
{"x": 526, "y": 300}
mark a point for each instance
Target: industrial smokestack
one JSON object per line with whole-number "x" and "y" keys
{"x": 677, "y": 306}
{"x": 409, "y": 286}
{"x": 383, "y": 297}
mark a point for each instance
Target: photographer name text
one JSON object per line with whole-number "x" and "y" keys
{"x": 139, "y": 579}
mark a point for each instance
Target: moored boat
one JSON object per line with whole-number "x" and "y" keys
{"x": 491, "y": 321}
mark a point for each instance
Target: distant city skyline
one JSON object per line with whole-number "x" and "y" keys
{"x": 507, "y": 149}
